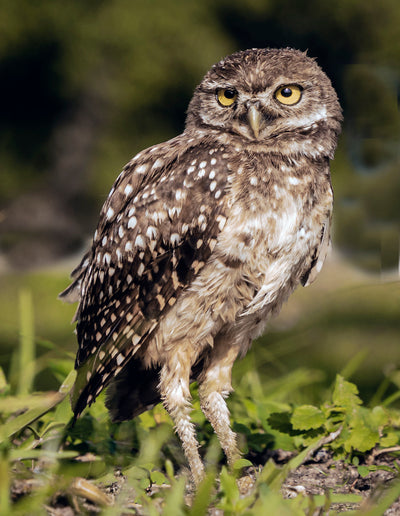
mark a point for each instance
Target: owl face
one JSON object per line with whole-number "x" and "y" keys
{"x": 262, "y": 94}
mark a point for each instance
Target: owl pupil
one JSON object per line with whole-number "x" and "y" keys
{"x": 286, "y": 92}
{"x": 229, "y": 94}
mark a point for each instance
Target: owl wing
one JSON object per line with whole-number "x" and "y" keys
{"x": 155, "y": 233}
{"x": 319, "y": 254}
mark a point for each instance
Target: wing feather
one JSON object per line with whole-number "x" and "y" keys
{"x": 157, "y": 229}
{"x": 320, "y": 254}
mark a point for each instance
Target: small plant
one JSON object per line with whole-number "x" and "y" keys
{"x": 136, "y": 467}
{"x": 357, "y": 429}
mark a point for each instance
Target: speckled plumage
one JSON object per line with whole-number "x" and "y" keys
{"x": 203, "y": 237}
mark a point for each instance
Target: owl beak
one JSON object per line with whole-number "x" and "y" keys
{"x": 254, "y": 117}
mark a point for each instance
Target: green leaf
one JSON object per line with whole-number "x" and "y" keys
{"x": 363, "y": 471}
{"x": 26, "y": 352}
{"x": 269, "y": 472}
{"x": 203, "y": 496}
{"x": 158, "y": 478}
{"x": 3, "y": 381}
{"x": 18, "y": 454}
{"x": 136, "y": 472}
{"x": 169, "y": 468}
{"x": 307, "y": 417}
{"x": 228, "y": 485}
{"x": 380, "y": 416}
{"x": 364, "y": 434}
{"x": 48, "y": 401}
{"x": 241, "y": 463}
{"x": 280, "y": 421}
{"x": 174, "y": 499}
{"x": 144, "y": 483}
{"x": 12, "y": 404}
{"x": 390, "y": 439}
{"x": 345, "y": 394}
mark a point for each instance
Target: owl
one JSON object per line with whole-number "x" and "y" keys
{"x": 202, "y": 238}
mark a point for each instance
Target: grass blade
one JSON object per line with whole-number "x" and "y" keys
{"x": 50, "y": 400}
{"x": 26, "y": 364}
{"x": 4, "y": 481}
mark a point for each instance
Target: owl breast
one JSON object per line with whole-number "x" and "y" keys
{"x": 273, "y": 234}
{"x": 266, "y": 246}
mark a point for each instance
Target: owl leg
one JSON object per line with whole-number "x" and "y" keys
{"x": 174, "y": 388}
{"x": 214, "y": 387}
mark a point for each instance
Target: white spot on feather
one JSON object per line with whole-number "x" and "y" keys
{"x": 139, "y": 242}
{"x": 221, "y": 222}
{"x": 132, "y": 222}
{"x": 175, "y": 239}
{"x": 151, "y": 232}
{"x": 158, "y": 216}
{"x": 158, "y": 163}
{"x": 174, "y": 212}
{"x": 141, "y": 169}
{"x": 180, "y": 194}
{"x": 128, "y": 189}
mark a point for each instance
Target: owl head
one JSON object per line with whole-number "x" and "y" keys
{"x": 275, "y": 97}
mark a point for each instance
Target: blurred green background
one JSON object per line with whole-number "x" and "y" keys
{"x": 86, "y": 85}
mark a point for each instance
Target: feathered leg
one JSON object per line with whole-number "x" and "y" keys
{"x": 214, "y": 387}
{"x": 174, "y": 388}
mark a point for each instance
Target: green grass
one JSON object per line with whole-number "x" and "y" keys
{"x": 294, "y": 391}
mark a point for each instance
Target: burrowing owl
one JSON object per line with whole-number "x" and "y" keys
{"x": 203, "y": 237}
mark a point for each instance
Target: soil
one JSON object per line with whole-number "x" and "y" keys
{"x": 318, "y": 476}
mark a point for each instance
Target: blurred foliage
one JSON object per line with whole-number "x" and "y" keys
{"x": 48, "y": 464}
{"x": 86, "y": 85}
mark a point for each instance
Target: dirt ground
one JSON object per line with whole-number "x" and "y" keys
{"x": 316, "y": 477}
{"x": 323, "y": 474}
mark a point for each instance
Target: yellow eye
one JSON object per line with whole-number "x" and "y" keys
{"x": 226, "y": 96}
{"x": 288, "y": 95}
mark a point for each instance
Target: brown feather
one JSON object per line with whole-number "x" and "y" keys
{"x": 204, "y": 237}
